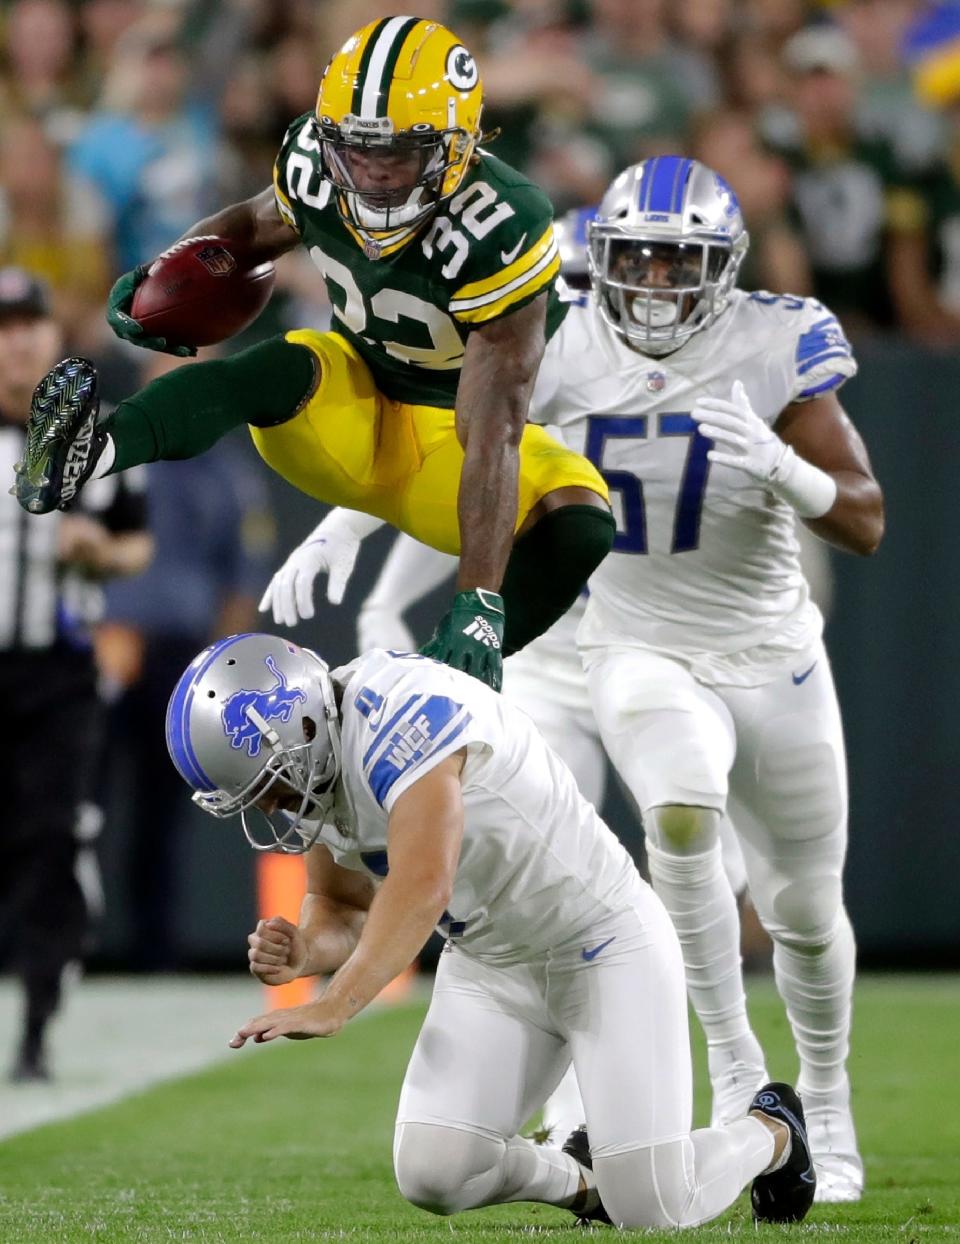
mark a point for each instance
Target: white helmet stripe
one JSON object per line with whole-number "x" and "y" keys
{"x": 373, "y": 85}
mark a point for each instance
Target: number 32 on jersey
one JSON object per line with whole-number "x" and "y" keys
{"x": 693, "y": 481}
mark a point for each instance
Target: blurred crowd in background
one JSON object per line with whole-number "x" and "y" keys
{"x": 838, "y": 124}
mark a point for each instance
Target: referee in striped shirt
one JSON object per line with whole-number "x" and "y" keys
{"x": 49, "y": 728}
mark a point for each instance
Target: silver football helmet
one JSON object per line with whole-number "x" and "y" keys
{"x": 664, "y": 251}
{"x": 253, "y": 712}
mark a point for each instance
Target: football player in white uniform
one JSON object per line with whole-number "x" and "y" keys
{"x": 713, "y": 415}
{"x": 425, "y": 799}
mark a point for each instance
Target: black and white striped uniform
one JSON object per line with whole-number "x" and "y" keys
{"x": 49, "y": 726}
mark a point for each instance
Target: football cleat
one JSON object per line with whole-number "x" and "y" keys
{"x": 785, "y": 1194}
{"x": 833, "y": 1143}
{"x": 577, "y": 1146}
{"x": 63, "y": 439}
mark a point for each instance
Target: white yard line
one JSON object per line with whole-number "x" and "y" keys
{"x": 116, "y": 1035}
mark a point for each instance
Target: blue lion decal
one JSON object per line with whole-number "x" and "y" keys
{"x": 274, "y": 704}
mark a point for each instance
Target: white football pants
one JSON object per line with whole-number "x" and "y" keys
{"x": 496, "y": 1040}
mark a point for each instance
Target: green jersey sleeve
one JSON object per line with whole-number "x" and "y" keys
{"x": 298, "y": 181}
{"x": 513, "y": 253}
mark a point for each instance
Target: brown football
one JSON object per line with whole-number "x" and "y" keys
{"x": 201, "y": 291}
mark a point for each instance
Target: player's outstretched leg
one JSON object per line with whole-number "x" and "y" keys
{"x": 178, "y": 415}
{"x": 64, "y": 438}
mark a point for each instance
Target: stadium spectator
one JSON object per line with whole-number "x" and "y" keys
{"x": 727, "y": 141}
{"x": 152, "y": 151}
{"x": 214, "y": 540}
{"x": 53, "y": 225}
{"x": 924, "y": 253}
{"x": 840, "y": 177}
{"x": 50, "y": 723}
{"x": 44, "y": 79}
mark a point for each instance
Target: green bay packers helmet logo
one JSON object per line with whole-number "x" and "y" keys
{"x": 462, "y": 71}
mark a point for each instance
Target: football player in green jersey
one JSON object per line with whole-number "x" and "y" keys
{"x": 440, "y": 263}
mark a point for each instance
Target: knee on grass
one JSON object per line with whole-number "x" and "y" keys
{"x": 437, "y": 1168}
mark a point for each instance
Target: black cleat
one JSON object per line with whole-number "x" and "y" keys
{"x": 577, "y": 1146}
{"x": 784, "y": 1195}
{"x": 63, "y": 440}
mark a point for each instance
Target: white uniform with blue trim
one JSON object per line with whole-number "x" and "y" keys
{"x": 707, "y": 672}
{"x": 706, "y": 563}
{"x": 557, "y": 948}
{"x": 538, "y": 867}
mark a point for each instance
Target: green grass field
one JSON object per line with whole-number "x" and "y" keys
{"x": 292, "y": 1143}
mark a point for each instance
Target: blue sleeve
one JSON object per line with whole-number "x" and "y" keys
{"x": 420, "y": 732}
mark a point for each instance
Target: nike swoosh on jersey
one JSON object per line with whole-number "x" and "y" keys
{"x": 509, "y": 256}
{"x": 592, "y": 954}
{"x": 799, "y": 678}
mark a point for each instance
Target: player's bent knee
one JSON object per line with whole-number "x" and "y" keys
{"x": 682, "y": 829}
{"x": 804, "y": 914}
{"x": 436, "y": 1167}
{"x": 647, "y": 1187}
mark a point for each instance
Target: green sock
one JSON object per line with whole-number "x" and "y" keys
{"x": 548, "y": 566}
{"x": 183, "y": 413}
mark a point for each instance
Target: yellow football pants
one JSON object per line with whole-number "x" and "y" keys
{"x": 352, "y": 446}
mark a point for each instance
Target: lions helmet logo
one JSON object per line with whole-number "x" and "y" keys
{"x": 462, "y": 71}
{"x": 274, "y": 704}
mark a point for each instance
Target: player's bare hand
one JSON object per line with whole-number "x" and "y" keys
{"x": 278, "y": 951}
{"x": 297, "y": 1023}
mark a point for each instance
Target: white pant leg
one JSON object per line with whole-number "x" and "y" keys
{"x": 552, "y": 690}
{"x": 789, "y": 802}
{"x": 624, "y": 1013}
{"x": 485, "y": 1059}
{"x": 672, "y": 741}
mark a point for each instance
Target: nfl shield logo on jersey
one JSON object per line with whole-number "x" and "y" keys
{"x": 372, "y": 249}
{"x": 656, "y": 380}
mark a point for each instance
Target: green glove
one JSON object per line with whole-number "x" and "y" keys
{"x": 470, "y": 636}
{"x": 125, "y": 326}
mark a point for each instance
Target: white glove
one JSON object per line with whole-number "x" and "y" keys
{"x": 741, "y": 438}
{"x": 330, "y": 548}
{"x": 382, "y": 627}
{"x": 743, "y": 441}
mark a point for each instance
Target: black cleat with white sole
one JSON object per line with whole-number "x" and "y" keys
{"x": 577, "y": 1146}
{"x": 784, "y": 1195}
{"x": 63, "y": 439}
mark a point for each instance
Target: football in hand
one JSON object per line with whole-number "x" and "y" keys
{"x": 201, "y": 291}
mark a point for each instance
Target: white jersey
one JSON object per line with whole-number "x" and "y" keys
{"x": 537, "y": 867}
{"x": 705, "y": 564}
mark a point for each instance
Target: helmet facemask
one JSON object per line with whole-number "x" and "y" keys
{"x": 387, "y": 180}
{"x": 655, "y": 293}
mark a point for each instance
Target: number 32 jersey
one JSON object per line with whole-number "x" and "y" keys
{"x": 706, "y": 562}
{"x": 409, "y": 303}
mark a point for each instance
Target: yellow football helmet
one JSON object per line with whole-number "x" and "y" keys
{"x": 398, "y": 115}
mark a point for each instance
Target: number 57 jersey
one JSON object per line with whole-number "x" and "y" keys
{"x": 705, "y": 565}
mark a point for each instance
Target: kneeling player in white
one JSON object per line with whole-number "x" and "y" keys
{"x": 426, "y": 799}
{"x": 713, "y": 416}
